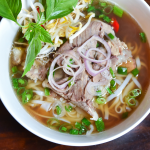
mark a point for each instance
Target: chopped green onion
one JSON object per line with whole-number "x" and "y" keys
{"x": 64, "y": 40}
{"x": 82, "y": 129}
{"x": 108, "y": 9}
{"x": 122, "y": 70}
{"x": 111, "y": 36}
{"x": 108, "y": 90}
{"x": 117, "y": 11}
{"x": 134, "y": 93}
{"x": 112, "y": 72}
{"x": 17, "y": 74}
{"x": 143, "y": 37}
{"x": 101, "y": 16}
{"x": 124, "y": 115}
{"x": 100, "y": 125}
{"x": 65, "y": 127}
{"x": 112, "y": 85}
{"x": 47, "y": 91}
{"x": 14, "y": 69}
{"x": 74, "y": 131}
{"x": 21, "y": 40}
{"x": 58, "y": 110}
{"x": 71, "y": 61}
{"x": 103, "y": 4}
{"x": 130, "y": 101}
{"x": 99, "y": 93}
{"x": 15, "y": 83}
{"x": 135, "y": 72}
{"x": 107, "y": 19}
{"x": 97, "y": 45}
{"x": 53, "y": 122}
{"x": 86, "y": 122}
{"x": 69, "y": 109}
{"x": 22, "y": 82}
{"x": 70, "y": 83}
{"x": 78, "y": 125}
{"x": 101, "y": 100}
{"x": 27, "y": 96}
{"x": 20, "y": 90}
{"x": 91, "y": 8}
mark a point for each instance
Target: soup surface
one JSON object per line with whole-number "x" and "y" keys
{"x": 58, "y": 113}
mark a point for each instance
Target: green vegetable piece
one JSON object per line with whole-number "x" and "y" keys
{"x": 108, "y": 9}
{"x": 112, "y": 72}
{"x": 65, "y": 127}
{"x": 125, "y": 115}
{"x": 100, "y": 125}
{"x": 74, "y": 131}
{"x": 103, "y": 4}
{"x": 47, "y": 91}
{"x": 27, "y": 96}
{"x": 99, "y": 93}
{"x": 135, "y": 72}
{"x": 41, "y": 19}
{"x": 53, "y": 122}
{"x": 64, "y": 40}
{"x": 112, "y": 85}
{"x": 108, "y": 90}
{"x": 69, "y": 109}
{"x": 135, "y": 93}
{"x": 21, "y": 81}
{"x": 118, "y": 12}
{"x": 82, "y": 130}
{"x": 86, "y": 122}
{"x": 107, "y": 19}
{"x": 58, "y": 9}
{"x": 111, "y": 36}
{"x": 91, "y": 8}
{"x": 101, "y": 100}
{"x": 78, "y": 125}
{"x": 122, "y": 70}
{"x": 21, "y": 40}
{"x": 58, "y": 110}
{"x": 15, "y": 83}
{"x": 70, "y": 83}
{"x": 14, "y": 69}
{"x": 130, "y": 101}
{"x": 101, "y": 16}
{"x": 20, "y": 91}
{"x": 143, "y": 37}
{"x": 98, "y": 45}
{"x": 10, "y": 9}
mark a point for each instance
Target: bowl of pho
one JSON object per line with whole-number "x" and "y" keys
{"x": 76, "y": 72}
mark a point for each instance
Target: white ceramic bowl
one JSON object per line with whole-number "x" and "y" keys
{"x": 141, "y": 12}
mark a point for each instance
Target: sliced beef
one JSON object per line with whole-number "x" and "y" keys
{"x": 130, "y": 65}
{"x": 93, "y": 29}
{"x": 17, "y": 53}
{"x": 38, "y": 70}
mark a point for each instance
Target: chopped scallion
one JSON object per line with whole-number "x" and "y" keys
{"x": 111, "y": 36}
{"x": 122, "y": 70}
{"x": 103, "y": 4}
{"x": 15, "y": 83}
{"x": 27, "y": 96}
{"x": 65, "y": 127}
{"x": 101, "y": 16}
{"x": 78, "y": 125}
{"x": 58, "y": 110}
{"x": 108, "y": 90}
{"x": 107, "y": 19}
{"x": 21, "y": 40}
{"x": 134, "y": 93}
{"x": 70, "y": 83}
{"x": 69, "y": 109}
{"x": 143, "y": 37}
{"x": 14, "y": 69}
{"x": 20, "y": 90}
{"x": 22, "y": 82}
{"x": 101, "y": 100}
{"x": 97, "y": 45}
{"x": 135, "y": 72}
{"x": 130, "y": 101}
{"x": 47, "y": 91}
{"x": 100, "y": 125}
{"x": 86, "y": 122}
{"x": 99, "y": 93}
{"x": 108, "y": 9}
{"x": 124, "y": 115}
{"x": 91, "y": 8}
{"x": 82, "y": 129}
{"x": 117, "y": 11}
{"x": 112, "y": 85}
{"x": 53, "y": 122}
{"x": 74, "y": 131}
{"x": 112, "y": 72}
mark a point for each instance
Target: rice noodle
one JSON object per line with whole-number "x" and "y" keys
{"x": 118, "y": 107}
{"x": 138, "y": 63}
{"x": 106, "y": 112}
{"x": 120, "y": 89}
{"x": 128, "y": 108}
{"x": 118, "y": 81}
{"x": 37, "y": 4}
{"x": 90, "y": 131}
{"x": 137, "y": 82}
{"x": 46, "y": 106}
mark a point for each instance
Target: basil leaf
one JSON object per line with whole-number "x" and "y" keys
{"x": 29, "y": 34}
{"x": 33, "y": 50}
{"x": 59, "y": 8}
{"x": 40, "y": 19}
{"x": 10, "y": 9}
{"x": 44, "y": 35}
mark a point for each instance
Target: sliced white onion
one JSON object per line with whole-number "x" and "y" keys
{"x": 82, "y": 29}
{"x": 90, "y": 131}
{"x": 138, "y": 63}
{"x": 58, "y": 103}
{"x": 120, "y": 89}
{"x": 46, "y": 106}
{"x": 137, "y": 82}
{"x": 128, "y": 108}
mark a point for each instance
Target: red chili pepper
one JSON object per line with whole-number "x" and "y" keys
{"x": 115, "y": 24}
{"x": 42, "y": 26}
{"x": 38, "y": 9}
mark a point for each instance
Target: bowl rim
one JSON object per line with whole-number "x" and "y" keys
{"x": 19, "y": 120}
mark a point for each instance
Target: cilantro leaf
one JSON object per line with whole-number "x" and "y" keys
{"x": 33, "y": 50}
{"x": 10, "y": 9}
{"x": 59, "y": 8}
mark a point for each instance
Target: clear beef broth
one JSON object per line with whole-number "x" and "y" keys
{"x": 128, "y": 33}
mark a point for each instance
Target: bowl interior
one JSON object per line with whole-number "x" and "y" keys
{"x": 8, "y": 29}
